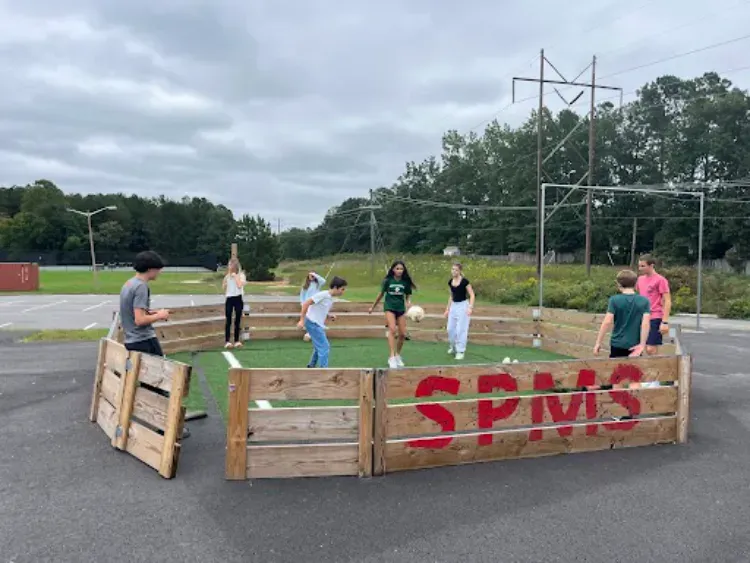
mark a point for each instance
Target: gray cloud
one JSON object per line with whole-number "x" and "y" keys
{"x": 286, "y": 108}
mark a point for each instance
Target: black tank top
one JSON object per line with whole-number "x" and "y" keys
{"x": 459, "y": 293}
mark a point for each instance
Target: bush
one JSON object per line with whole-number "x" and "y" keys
{"x": 736, "y": 309}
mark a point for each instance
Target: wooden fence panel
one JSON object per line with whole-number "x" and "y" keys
{"x": 303, "y": 441}
{"x": 567, "y": 413}
{"x": 137, "y": 401}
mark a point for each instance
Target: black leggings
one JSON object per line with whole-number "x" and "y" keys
{"x": 233, "y": 304}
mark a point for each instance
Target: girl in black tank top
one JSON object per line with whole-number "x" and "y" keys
{"x": 458, "y": 312}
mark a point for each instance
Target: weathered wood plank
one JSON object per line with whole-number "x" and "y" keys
{"x": 196, "y": 344}
{"x": 115, "y": 357}
{"x": 237, "y": 424}
{"x": 106, "y": 418}
{"x": 126, "y": 394}
{"x": 110, "y": 386}
{"x": 303, "y": 423}
{"x": 365, "y": 425}
{"x": 571, "y": 335}
{"x": 407, "y": 420}
{"x": 574, "y": 350}
{"x": 684, "y": 385}
{"x": 380, "y": 423}
{"x": 151, "y": 408}
{"x": 571, "y": 317}
{"x": 510, "y": 444}
{"x": 157, "y": 372}
{"x": 175, "y": 418}
{"x": 98, "y": 375}
{"x": 296, "y": 384}
{"x": 315, "y": 460}
{"x": 145, "y": 444}
{"x": 403, "y": 383}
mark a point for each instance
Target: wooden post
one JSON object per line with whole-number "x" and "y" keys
{"x": 128, "y": 385}
{"x": 175, "y": 422}
{"x": 366, "y": 405}
{"x": 239, "y": 399}
{"x": 379, "y": 431}
{"x": 685, "y": 366}
{"x": 98, "y": 375}
{"x": 234, "y": 250}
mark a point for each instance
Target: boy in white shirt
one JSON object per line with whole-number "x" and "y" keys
{"x": 315, "y": 311}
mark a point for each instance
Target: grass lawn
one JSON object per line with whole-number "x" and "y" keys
{"x": 364, "y": 353}
{"x": 72, "y": 282}
{"x": 64, "y": 335}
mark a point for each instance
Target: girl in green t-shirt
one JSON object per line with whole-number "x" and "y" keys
{"x": 397, "y": 288}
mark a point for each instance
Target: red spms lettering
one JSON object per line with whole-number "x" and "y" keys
{"x": 544, "y": 382}
{"x": 436, "y": 412}
{"x": 486, "y": 413}
{"x": 625, "y": 372}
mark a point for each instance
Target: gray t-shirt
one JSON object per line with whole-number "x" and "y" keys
{"x": 135, "y": 294}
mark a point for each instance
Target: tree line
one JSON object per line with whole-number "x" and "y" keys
{"x": 36, "y": 225}
{"x": 676, "y": 130}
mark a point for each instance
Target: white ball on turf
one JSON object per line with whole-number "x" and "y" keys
{"x": 415, "y": 313}
{"x": 515, "y": 361}
{"x": 506, "y": 360}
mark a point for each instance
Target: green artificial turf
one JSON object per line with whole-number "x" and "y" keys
{"x": 355, "y": 353}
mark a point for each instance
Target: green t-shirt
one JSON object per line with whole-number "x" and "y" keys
{"x": 628, "y": 310}
{"x": 395, "y": 294}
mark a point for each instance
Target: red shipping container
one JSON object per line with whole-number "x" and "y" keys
{"x": 19, "y": 276}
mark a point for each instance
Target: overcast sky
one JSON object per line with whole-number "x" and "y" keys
{"x": 285, "y": 108}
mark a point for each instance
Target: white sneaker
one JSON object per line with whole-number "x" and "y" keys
{"x": 392, "y": 363}
{"x": 450, "y": 351}
{"x": 399, "y": 362}
{"x": 228, "y": 345}
{"x": 460, "y": 356}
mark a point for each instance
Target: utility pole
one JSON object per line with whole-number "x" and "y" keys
{"x": 592, "y": 143}
{"x": 372, "y": 235}
{"x": 542, "y": 159}
{"x": 632, "y": 243}
{"x": 540, "y": 166}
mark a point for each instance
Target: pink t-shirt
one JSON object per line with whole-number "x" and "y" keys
{"x": 653, "y": 287}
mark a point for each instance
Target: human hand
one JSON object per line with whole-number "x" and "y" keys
{"x": 447, "y": 313}
{"x": 597, "y": 348}
{"x": 162, "y": 314}
{"x": 469, "y": 311}
{"x": 301, "y": 324}
{"x": 664, "y": 328}
{"x": 637, "y": 350}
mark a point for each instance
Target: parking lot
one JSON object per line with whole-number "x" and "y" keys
{"x": 38, "y": 312}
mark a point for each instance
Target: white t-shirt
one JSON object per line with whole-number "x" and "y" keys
{"x": 321, "y": 305}
{"x": 232, "y": 289}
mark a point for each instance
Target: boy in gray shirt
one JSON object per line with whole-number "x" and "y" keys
{"x": 136, "y": 315}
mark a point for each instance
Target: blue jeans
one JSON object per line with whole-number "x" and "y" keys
{"x": 321, "y": 347}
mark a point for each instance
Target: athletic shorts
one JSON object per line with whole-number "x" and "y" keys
{"x": 397, "y": 314}
{"x": 615, "y": 352}
{"x": 150, "y": 346}
{"x": 654, "y": 336}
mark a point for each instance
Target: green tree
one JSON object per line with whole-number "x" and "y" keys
{"x": 257, "y": 247}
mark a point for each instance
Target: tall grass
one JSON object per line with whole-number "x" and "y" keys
{"x": 565, "y": 286}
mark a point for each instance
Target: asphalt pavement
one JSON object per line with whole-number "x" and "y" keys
{"x": 37, "y": 312}
{"x": 67, "y": 496}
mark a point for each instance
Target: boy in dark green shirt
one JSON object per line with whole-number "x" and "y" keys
{"x": 629, "y": 316}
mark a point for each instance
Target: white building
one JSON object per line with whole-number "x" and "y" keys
{"x": 451, "y": 251}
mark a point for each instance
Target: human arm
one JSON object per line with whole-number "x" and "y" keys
{"x": 645, "y": 329}
{"x": 472, "y": 297}
{"x": 142, "y": 315}
{"x": 380, "y": 296}
{"x": 240, "y": 279}
{"x": 303, "y": 312}
{"x": 224, "y": 282}
{"x": 320, "y": 279}
{"x": 607, "y": 324}
{"x": 448, "y": 307}
{"x": 666, "y": 300}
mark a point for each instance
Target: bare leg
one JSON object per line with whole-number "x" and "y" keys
{"x": 401, "y": 334}
{"x": 390, "y": 320}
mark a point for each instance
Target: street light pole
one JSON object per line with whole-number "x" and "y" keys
{"x": 89, "y": 215}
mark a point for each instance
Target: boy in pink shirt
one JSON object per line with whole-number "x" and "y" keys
{"x": 655, "y": 287}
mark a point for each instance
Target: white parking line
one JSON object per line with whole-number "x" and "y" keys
{"x": 92, "y": 325}
{"x": 96, "y": 306}
{"x": 235, "y": 363}
{"x": 6, "y": 325}
{"x": 36, "y": 308}
{"x": 10, "y": 303}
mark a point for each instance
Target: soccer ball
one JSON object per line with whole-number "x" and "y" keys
{"x": 415, "y": 313}
{"x": 306, "y": 338}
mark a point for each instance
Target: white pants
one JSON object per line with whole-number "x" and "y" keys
{"x": 458, "y": 326}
